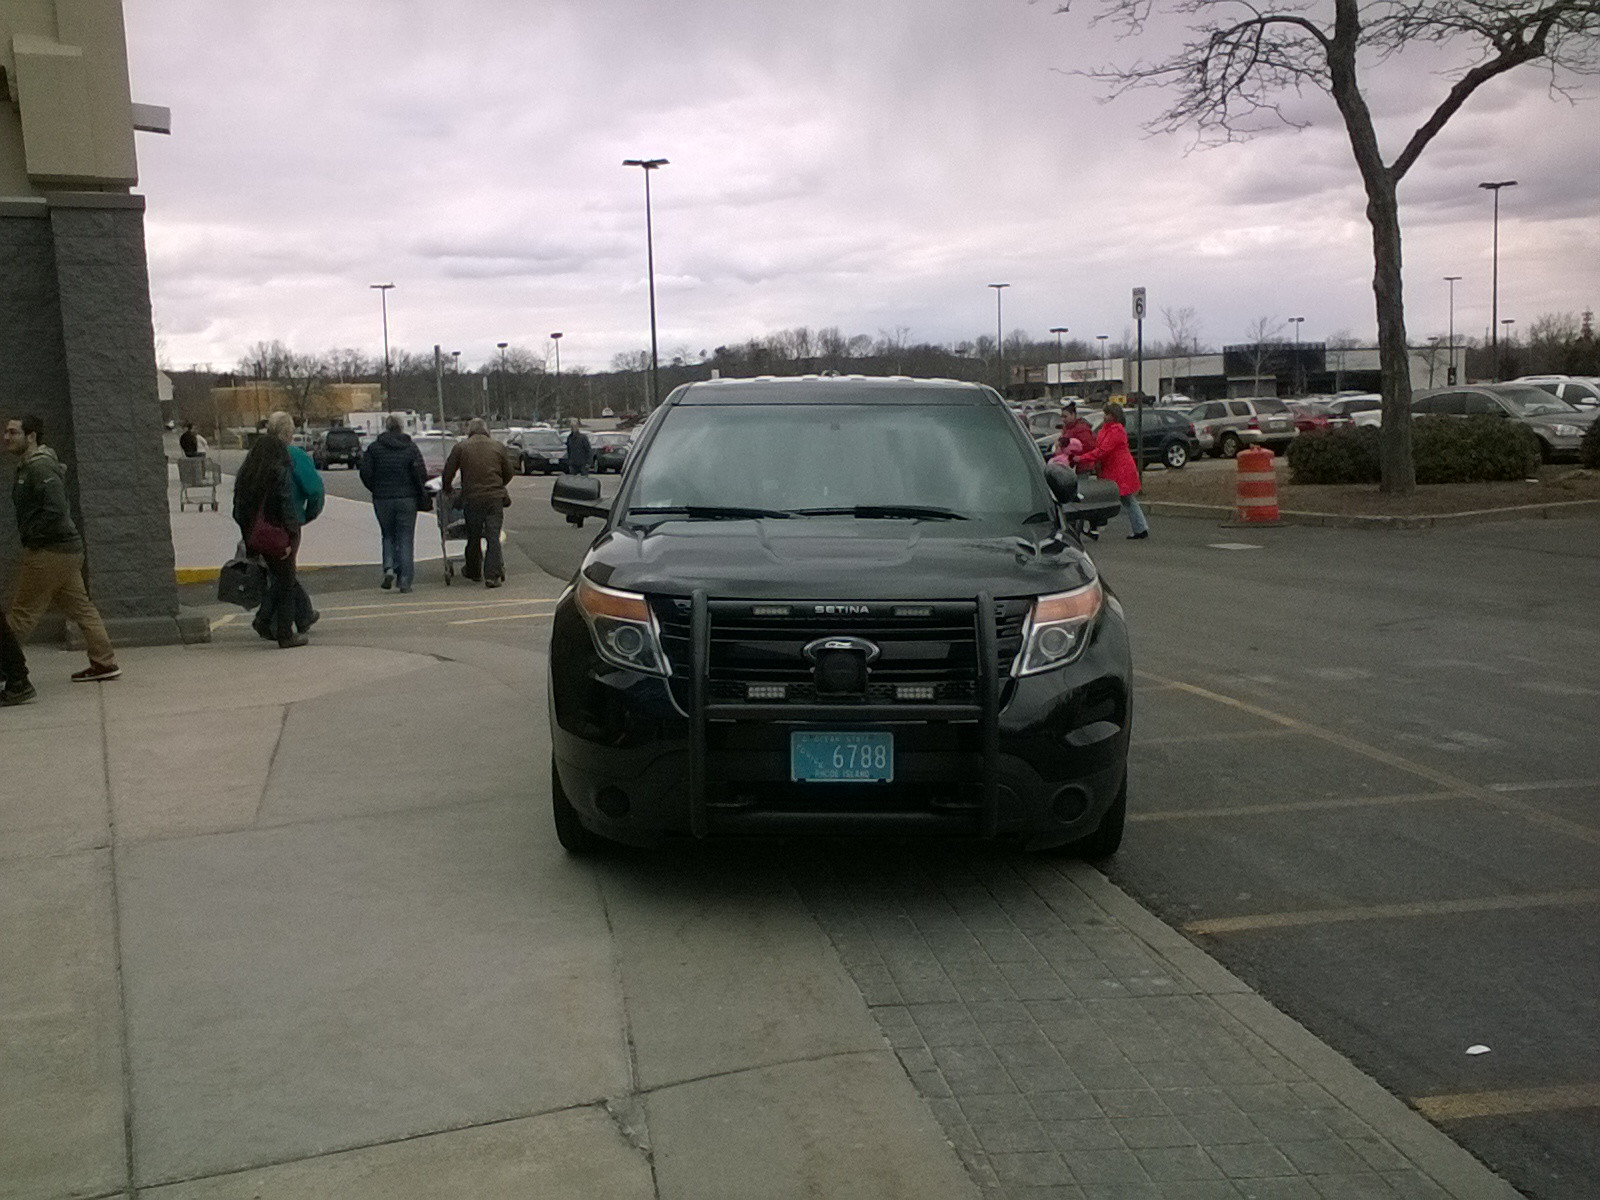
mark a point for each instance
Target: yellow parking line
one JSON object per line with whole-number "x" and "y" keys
{"x": 1229, "y": 735}
{"x": 507, "y": 617}
{"x": 1465, "y": 1105}
{"x": 1385, "y": 912}
{"x": 1500, "y": 800}
{"x": 484, "y": 603}
{"x": 1292, "y": 806}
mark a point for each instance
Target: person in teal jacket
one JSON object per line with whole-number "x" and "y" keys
{"x": 309, "y": 497}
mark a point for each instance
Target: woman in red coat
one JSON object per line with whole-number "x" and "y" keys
{"x": 1111, "y": 460}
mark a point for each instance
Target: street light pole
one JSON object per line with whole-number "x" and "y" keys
{"x": 999, "y": 337}
{"x": 1494, "y": 287}
{"x": 1450, "y": 370}
{"x": 1297, "y": 322}
{"x": 648, "y": 165}
{"x": 1058, "y": 330}
{"x": 1102, "y": 337}
{"x": 502, "y": 346}
{"x": 383, "y": 298}
{"x": 556, "y": 338}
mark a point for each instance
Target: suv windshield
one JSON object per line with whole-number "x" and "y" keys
{"x": 546, "y": 440}
{"x": 883, "y": 459}
{"x": 1528, "y": 401}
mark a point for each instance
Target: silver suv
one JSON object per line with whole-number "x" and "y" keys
{"x": 1225, "y": 427}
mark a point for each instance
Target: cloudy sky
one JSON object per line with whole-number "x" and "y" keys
{"x": 866, "y": 164}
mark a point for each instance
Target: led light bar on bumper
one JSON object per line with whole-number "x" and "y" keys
{"x": 623, "y": 628}
{"x": 1058, "y": 628}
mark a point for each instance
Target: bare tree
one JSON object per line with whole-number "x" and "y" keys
{"x": 1241, "y": 58}
{"x": 1266, "y": 340}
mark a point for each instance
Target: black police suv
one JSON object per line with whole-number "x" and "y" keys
{"x": 835, "y": 605}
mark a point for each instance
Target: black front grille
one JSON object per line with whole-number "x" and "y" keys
{"x": 759, "y": 644}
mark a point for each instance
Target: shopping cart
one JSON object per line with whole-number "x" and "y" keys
{"x": 452, "y": 524}
{"x": 201, "y": 476}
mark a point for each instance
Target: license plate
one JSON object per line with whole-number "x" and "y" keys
{"x": 841, "y": 757}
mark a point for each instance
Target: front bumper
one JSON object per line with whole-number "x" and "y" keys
{"x": 1038, "y": 760}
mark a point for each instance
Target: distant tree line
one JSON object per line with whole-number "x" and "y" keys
{"x": 521, "y": 384}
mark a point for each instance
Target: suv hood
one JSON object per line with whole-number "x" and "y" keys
{"x": 825, "y": 558}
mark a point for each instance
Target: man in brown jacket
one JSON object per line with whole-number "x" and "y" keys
{"x": 485, "y": 469}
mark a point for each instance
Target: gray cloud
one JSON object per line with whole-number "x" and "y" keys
{"x": 867, "y": 166}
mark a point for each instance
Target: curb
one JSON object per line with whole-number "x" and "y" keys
{"x": 1226, "y": 514}
{"x": 1433, "y": 1151}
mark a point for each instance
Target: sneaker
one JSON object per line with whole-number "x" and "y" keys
{"x": 298, "y": 639}
{"x": 263, "y": 629}
{"x": 388, "y": 580}
{"x": 1134, "y": 537}
{"x": 493, "y": 582}
{"x": 95, "y": 672}
{"x": 405, "y": 589}
{"x": 20, "y": 694}
{"x": 1092, "y": 534}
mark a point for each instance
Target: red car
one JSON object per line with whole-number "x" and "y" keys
{"x": 1309, "y": 417}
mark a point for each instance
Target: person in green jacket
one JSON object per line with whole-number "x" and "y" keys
{"x": 309, "y": 497}
{"x": 51, "y": 568}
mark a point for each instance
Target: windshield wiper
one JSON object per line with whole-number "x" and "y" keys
{"x": 873, "y": 512}
{"x": 707, "y": 512}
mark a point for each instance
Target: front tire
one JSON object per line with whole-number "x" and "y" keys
{"x": 1176, "y": 457}
{"x": 574, "y": 836}
{"x": 1105, "y": 841}
{"x": 1229, "y": 446}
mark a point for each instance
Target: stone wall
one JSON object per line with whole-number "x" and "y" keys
{"x": 78, "y": 349}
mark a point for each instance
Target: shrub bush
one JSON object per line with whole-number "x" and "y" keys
{"x": 1347, "y": 455}
{"x": 1476, "y": 450}
{"x": 1589, "y": 448}
{"x": 1445, "y": 450}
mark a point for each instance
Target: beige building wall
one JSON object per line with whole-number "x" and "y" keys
{"x": 68, "y": 121}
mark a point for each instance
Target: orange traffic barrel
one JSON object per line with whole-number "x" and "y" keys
{"x": 1258, "y": 487}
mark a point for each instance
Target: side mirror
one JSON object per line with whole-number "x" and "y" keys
{"x": 577, "y": 497}
{"x": 1098, "y": 500}
{"x": 1062, "y": 481}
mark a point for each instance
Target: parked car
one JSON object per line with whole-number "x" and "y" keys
{"x": 1578, "y": 391}
{"x": 835, "y": 605}
{"x": 541, "y": 450}
{"x": 610, "y": 450}
{"x": 1309, "y": 416}
{"x": 435, "y": 449}
{"x": 339, "y": 445}
{"x": 1365, "y": 408}
{"x": 1225, "y": 427}
{"x": 1169, "y": 437}
{"x": 1558, "y": 425}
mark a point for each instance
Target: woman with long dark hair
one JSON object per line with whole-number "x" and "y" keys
{"x": 264, "y": 509}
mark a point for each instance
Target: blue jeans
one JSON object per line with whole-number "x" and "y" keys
{"x": 1135, "y": 515}
{"x": 397, "y": 519}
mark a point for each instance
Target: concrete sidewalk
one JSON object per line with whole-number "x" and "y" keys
{"x": 295, "y": 924}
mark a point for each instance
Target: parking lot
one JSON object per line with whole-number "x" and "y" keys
{"x": 1364, "y": 779}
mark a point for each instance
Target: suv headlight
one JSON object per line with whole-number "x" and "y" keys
{"x": 623, "y": 627}
{"x": 1058, "y": 629}
{"x": 1567, "y": 430}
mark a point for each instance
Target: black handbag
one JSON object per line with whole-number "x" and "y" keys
{"x": 242, "y": 580}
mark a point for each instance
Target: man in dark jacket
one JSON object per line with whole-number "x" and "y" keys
{"x": 485, "y": 469}
{"x": 51, "y": 569}
{"x": 189, "y": 441}
{"x": 580, "y": 453}
{"x": 393, "y": 470}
